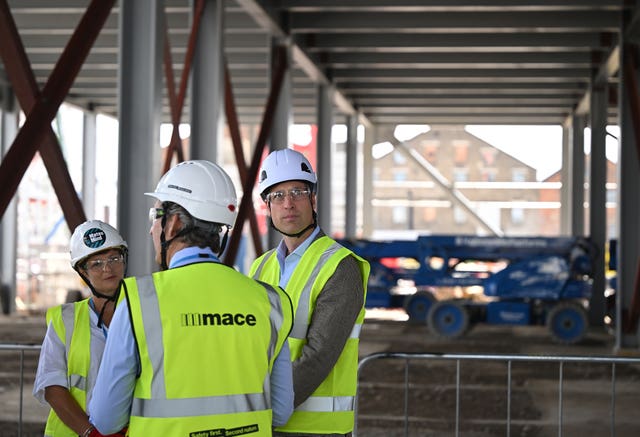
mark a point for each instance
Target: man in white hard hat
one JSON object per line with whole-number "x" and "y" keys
{"x": 200, "y": 349}
{"x": 76, "y": 332}
{"x": 327, "y": 284}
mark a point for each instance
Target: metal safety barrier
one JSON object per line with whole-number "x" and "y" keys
{"x": 21, "y": 349}
{"x": 408, "y": 358}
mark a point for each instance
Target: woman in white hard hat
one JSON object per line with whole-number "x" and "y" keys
{"x": 76, "y": 332}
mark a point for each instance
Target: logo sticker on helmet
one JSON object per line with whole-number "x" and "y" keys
{"x": 94, "y": 237}
{"x": 186, "y": 190}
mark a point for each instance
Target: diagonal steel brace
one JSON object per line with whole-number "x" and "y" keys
{"x": 246, "y": 203}
{"x": 42, "y": 107}
{"x": 176, "y": 102}
{"x": 234, "y": 132}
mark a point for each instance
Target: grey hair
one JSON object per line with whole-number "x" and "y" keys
{"x": 198, "y": 232}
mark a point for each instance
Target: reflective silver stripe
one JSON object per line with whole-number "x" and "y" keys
{"x": 276, "y": 318}
{"x": 355, "y": 332}
{"x": 153, "y": 332}
{"x": 301, "y": 322}
{"x": 319, "y": 404}
{"x": 68, "y": 318}
{"x": 198, "y": 406}
{"x": 78, "y": 381}
{"x": 266, "y": 257}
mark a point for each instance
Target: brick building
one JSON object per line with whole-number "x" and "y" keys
{"x": 501, "y": 189}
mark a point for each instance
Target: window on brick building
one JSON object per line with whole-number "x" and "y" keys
{"x": 430, "y": 150}
{"x": 460, "y": 152}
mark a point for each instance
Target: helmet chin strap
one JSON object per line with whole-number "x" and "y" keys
{"x": 223, "y": 243}
{"x": 297, "y": 234}
{"x": 164, "y": 243}
{"x": 113, "y": 298}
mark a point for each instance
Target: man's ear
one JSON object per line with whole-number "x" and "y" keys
{"x": 172, "y": 226}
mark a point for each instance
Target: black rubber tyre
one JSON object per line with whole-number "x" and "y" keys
{"x": 448, "y": 318}
{"x": 567, "y": 322}
{"x": 417, "y": 306}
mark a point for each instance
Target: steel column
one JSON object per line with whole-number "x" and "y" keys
{"x": 324, "y": 153}
{"x": 577, "y": 175}
{"x": 597, "y": 196}
{"x": 628, "y": 284}
{"x": 367, "y": 180}
{"x": 9, "y": 221}
{"x": 566, "y": 213}
{"x": 140, "y": 113}
{"x": 89, "y": 163}
{"x": 207, "y": 84}
{"x": 351, "y": 196}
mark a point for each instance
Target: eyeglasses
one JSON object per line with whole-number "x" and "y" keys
{"x": 98, "y": 265}
{"x": 295, "y": 194}
{"x": 155, "y": 213}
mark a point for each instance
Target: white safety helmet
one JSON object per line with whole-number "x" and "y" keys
{"x": 285, "y": 165}
{"x": 91, "y": 237}
{"x": 201, "y": 187}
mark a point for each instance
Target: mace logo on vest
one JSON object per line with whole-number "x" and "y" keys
{"x": 216, "y": 319}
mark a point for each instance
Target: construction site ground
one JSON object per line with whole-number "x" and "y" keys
{"x": 481, "y": 403}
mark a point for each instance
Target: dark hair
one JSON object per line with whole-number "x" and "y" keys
{"x": 196, "y": 232}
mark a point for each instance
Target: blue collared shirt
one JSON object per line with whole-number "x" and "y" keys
{"x": 110, "y": 406}
{"x": 288, "y": 263}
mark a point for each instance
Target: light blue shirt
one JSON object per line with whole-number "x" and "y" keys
{"x": 288, "y": 263}
{"x": 110, "y": 407}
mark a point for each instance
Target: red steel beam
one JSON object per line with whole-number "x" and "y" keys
{"x": 246, "y": 204}
{"x": 26, "y": 91}
{"x": 234, "y": 132}
{"x": 36, "y": 129}
{"x": 177, "y": 102}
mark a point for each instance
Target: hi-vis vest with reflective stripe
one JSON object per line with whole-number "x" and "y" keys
{"x": 329, "y": 409}
{"x": 207, "y": 337}
{"x": 72, "y": 324}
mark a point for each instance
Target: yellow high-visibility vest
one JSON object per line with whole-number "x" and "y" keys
{"x": 207, "y": 337}
{"x": 330, "y": 409}
{"x": 71, "y": 323}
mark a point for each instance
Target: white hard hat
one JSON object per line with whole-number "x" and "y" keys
{"x": 285, "y": 165}
{"x": 201, "y": 187}
{"x": 91, "y": 237}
